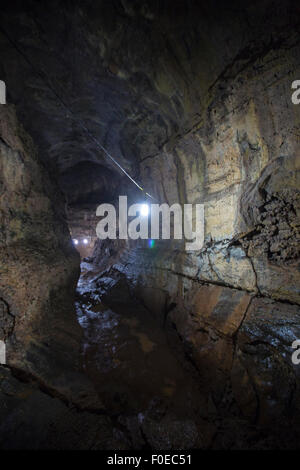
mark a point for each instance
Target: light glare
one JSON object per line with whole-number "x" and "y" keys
{"x": 144, "y": 210}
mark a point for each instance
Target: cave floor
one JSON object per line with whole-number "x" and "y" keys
{"x": 146, "y": 381}
{"x": 138, "y": 375}
{"x": 150, "y": 395}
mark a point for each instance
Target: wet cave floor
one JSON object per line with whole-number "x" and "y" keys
{"x": 147, "y": 382}
{"x": 138, "y": 375}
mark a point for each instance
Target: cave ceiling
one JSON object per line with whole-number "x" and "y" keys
{"x": 130, "y": 72}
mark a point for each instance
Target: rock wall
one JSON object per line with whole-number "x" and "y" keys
{"x": 39, "y": 270}
{"x": 234, "y": 303}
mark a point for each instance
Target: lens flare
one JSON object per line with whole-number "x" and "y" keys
{"x": 151, "y": 243}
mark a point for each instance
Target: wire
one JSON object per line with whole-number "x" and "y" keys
{"x": 78, "y": 120}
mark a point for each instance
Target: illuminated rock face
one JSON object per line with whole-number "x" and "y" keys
{"x": 39, "y": 271}
{"x": 198, "y": 110}
{"x": 235, "y": 304}
{"x": 240, "y": 160}
{"x": 37, "y": 259}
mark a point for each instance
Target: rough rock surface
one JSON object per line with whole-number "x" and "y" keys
{"x": 39, "y": 271}
{"x": 39, "y": 267}
{"x": 54, "y": 424}
{"x": 140, "y": 75}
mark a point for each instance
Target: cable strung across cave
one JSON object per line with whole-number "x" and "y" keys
{"x": 69, "y": 110}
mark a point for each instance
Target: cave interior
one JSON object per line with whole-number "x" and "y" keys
{"x": 142, "y": 344}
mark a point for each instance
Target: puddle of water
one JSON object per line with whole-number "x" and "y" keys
{"x": 127, "y": 357}
{"x": 146, "y": 344}
{"x": 131, "y": 322}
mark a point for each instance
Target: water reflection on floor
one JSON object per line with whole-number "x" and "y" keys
{"x": 147, "y": 384}
{"x": 128, "y": 358}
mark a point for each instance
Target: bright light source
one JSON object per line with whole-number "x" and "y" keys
{"x": 75, "y": 241}
{"x": 85, "y": 241}
{"x": 145, "y": 210}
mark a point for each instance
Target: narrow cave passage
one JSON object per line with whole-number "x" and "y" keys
{"x": 183, "y": 340}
